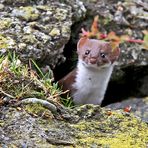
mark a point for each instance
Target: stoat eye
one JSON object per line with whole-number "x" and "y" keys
{"x": 87, "y": 52}
{"x": 102, "y": 55}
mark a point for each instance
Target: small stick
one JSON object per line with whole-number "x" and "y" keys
{"x": 57, "y": 95}
{"x": 8, "y": 95}
{"x": 45, "y": 103}
{"x": 135, "y": 41}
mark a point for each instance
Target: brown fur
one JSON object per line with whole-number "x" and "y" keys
{"x": 66, "y": 82}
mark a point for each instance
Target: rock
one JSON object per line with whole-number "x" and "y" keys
{"x": 78, "y": 9}
{"x": 124, "y": 13}
{"x": 38, "y": 30}
{"x": 26, "y": 13}
{"x": 87, "y": 126}
{"x": 139, "y": 106}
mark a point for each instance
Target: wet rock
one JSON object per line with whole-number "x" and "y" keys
{"x": 139, "y": 106}
{"x": 90, "y": 126}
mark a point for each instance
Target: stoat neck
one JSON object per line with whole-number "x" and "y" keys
{"x": 91, "y": 83}
{"x": 85, "y": 70}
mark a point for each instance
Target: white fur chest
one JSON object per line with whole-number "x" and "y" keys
{"x": 91, "y": 84}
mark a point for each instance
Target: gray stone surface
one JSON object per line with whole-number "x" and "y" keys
{"x": 37, "y": 30}
{"x": 139, "y": 106}
{"x": 85, "y": 126}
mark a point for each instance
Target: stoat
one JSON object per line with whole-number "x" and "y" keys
{"x": 88, "y": 81}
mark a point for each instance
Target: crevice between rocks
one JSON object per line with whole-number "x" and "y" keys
{"x": 131, "y": 84}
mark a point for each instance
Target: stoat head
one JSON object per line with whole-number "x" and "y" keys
{"x": 96, "y": 53}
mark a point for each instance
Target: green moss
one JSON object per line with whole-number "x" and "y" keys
{"x": 146, "y": 100}
{"x": 2, "y": 123}
{"x": 65, "y": 29}
{"x": 106, "y": 20}
{"x": 61, "y": 14}
{"x": 28, "y": 13}
{"x": 117, "y": 130}
{"x": 38, "y": 110}
{"x": 3, "y": 42}
{"x": 44, "y": 8}
{"x": 30, "y": 39}
{"x": 121, "y": 140}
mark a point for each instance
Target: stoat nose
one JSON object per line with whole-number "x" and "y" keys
{"x": 93, "y": 60}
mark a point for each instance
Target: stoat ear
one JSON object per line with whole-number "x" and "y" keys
{"x": 81, "y": 43}
{"x": 116, "y": 51}
{"x": 115, "y": 54}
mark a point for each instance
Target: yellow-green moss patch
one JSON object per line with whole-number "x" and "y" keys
{"x": 117, "y": 130}
{"x": 27, "y": 13}
{"x": 5, "y": 23}
{"x": 6, "y": 42}
{"x": 54, "y": 32}
{"x": 38, "y": 110}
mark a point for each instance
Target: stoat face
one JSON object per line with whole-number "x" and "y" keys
{"x": 96, "y": 53}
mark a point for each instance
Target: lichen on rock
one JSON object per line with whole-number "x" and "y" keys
{"x": 86, "y": 126}
{"x": 6, "y": 42}
{"x": 139, "y": 107}
{"x": 26, "y": 13}
{"x": 5, "y": 23}
{"x": 40, "y": 31}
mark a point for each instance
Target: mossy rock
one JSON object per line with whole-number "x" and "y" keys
{"x": 139, "y": 107}
{"x": 6, "y": 42}
{"x": 85, "y": 126}
{"x": 5, "y": 23}
{"x": 40, "y": 29}
{"x": 27, "y": 13}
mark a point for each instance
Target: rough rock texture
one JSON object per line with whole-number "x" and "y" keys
{"x": 37, "y": 29}
{"x": 139, "y": 106}
{"x": 86, "y": 126}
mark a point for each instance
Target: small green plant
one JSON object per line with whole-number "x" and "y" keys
{"x": 67, "y": 102}
{"x": 19, "y": 81}
{"x": 47, "y": 81}
{"x": 14, "y": 63}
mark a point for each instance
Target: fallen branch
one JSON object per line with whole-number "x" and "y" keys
{"x": 45, "y": 103}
